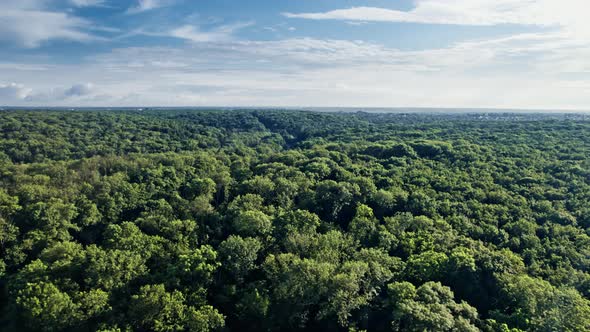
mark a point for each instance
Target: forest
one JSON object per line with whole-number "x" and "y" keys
{"x": 284, "y": 220}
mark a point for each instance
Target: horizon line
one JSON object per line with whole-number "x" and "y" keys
{"x": 375, "y": 109}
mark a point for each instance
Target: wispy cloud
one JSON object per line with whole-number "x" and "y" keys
{"x": 561, "y": 40}
{"x": 465, "y": 12}
{"x": 15, "y": 66}
{"x": 192, "y": 33}
{"x": 147, "y": 5}
{"x": 327, "y": 72}
{"x": 29, "y": 24}
{"x": 543, "y": 68}
{"x": 87, "y": 3}
{"x": 196, "y": 34}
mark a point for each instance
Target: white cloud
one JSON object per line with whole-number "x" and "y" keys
{"x": 23, "y": 66}
{"x": 305, "y": 71}
{"x": 147, "y": 5}
{"x": 87, "y": 3}
{"x": 558, "y": 47}
{"x": 195, "y": 34}
{"x": 13, "y": 92}
{"x": 29, "y": 24}
{"x": 565, "y": 13}
{"x": 20, "y": 94}
{"x": 215, "y": 67}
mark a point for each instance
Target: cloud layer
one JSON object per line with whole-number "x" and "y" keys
{"x": 202, "y": 61}
{"x": 316, "y": 72}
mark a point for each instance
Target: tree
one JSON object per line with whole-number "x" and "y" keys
{"x": 536, "y": 305}
{"x": 238, "y": 255}
{"x": 285, "y": 220}
{"x": 333, "y": 200}
{"x": 113, "y": 268}
{"x": 430, "y": 307}
{"x": 44, "y": 306}
{"x": 53, "y": 221}
{"x": 388, "y": 202}
{"x": 364, "y": 225}
{"x": 153, "y": 308}
{"x": 253, "y": 223}
{"x": 297, "y": 286}
{"x": 426, "y": 266}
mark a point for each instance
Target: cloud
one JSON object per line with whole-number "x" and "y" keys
{"x": 79, "y": 90}
{"x": 147, "y": 5}
{"x": 290, "y": 54}
{"x": 467, "y": 12}
{"x": 23, "y": 66}
{"x": 87, "y": 3}
{"x": 526, "y": 70}
{"x": 559, "y": 45}
{"x": 544, "y": 68}
{"x": 29, "y": 24}
{"x": 12, "y": 92}
{"x": 20, "y": 94}
{"x": 195, "y": 34}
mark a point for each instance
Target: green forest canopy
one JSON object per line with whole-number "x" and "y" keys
{"x": 259, "y": 220}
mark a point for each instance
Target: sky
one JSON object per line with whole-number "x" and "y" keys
{"x": 526, "y": 54}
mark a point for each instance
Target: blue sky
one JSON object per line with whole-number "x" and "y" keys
{"x": 385, "y": 53}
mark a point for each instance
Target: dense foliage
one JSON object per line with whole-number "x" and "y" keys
{"x": 283, "y": 220}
